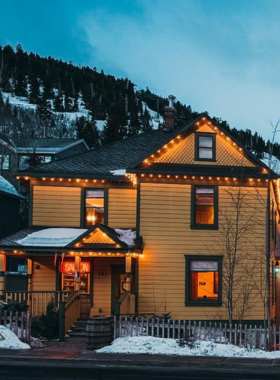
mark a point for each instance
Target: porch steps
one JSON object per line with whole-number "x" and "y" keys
{"x": 78, "y": 330}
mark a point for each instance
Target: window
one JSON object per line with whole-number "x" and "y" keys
{"x": 5, "y": 161}
{"x": 94, "y": 207}
{"x": 205, "y": 147}
{"x": 203, "y": 280}
{"x": 204, "y": 207}
{"x": 25, "y": 161}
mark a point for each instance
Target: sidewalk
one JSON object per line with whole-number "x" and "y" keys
{"x": 74, "y": 354}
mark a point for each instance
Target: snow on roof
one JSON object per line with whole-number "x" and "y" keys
{"x": 118, "y": 172}
{"x": 274, "y": 163}
{"x": 52, "y": 237}
{"x": 7, "y": 187}
{"x": 126, "y": 236}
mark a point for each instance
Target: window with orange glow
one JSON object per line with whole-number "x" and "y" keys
{"x": 94, "y": 207}
{"x": 204, "y": 205}
{"x": 204, "y": 278}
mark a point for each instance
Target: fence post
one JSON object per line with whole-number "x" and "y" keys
{"x": 61, "y": 317}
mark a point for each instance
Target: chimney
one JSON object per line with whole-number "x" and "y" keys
{"x": 170, "y": 115}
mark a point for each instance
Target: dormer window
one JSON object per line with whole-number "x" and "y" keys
{"x": 205, "y": 147}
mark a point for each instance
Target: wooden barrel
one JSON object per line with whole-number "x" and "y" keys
{"x": 99, "y": 332}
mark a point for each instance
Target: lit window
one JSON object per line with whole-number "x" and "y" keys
{"x": 205, "y": 147}
{"x": 204, "y": 206}
{"x": 5, "y": 162}
{"x": 203, "y": 280}
{"x": 94, "y": 205}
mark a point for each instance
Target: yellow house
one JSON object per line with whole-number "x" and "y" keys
{"x": 178, "y": 221}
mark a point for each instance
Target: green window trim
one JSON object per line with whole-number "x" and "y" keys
{"x": 195, "y": 226}
{"x": 204, "y": 302}
{"x": 197, "y": 136}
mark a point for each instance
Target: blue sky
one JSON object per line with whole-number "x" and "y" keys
{"x": 220, "y": 56}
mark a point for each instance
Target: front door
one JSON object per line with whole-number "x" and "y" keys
{"x": 118, "y": 284}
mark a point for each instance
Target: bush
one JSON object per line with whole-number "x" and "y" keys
{"x": 46, "y": 326}
{"x": 14, "y": 306}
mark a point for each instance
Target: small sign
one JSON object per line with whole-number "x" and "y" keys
{"x": 70, "y": 267}
{"x": 202, "y": 283}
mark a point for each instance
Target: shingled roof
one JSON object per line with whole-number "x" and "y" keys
{"x": 52, "y": 145}
{"x": 125, "y": 154}
{"x": 102, "y": 161}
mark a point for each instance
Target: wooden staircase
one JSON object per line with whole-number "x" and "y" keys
{"x": 78, "y": 330}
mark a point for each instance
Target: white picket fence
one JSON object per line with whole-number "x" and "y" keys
{"x": 19, "y": 323}
{"x": 243, "y": 336}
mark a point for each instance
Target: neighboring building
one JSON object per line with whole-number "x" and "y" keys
{"x": 154, "y": 224}
{"x": 18, "y": 154}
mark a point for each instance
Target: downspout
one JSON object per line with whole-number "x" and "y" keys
{"x": 268, "y": 316}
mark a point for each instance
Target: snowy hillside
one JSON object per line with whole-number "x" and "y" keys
{"x": 156, "y": 119}
{"x": 275, "y": 163}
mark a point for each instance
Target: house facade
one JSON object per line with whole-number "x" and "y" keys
{"x": 179, "y": 221}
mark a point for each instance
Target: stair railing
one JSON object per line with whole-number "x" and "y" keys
{"x": 69, "y": 312}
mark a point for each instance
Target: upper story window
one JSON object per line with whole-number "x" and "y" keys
{"x": 204, "y": 207}
{"x": 205, "y": 147}
{"x": 94, "y": 206}
{"x": 5, "y": 161}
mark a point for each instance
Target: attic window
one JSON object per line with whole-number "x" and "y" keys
{"x": 205, "y": 147}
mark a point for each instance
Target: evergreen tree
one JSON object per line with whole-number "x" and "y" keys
{"x": 147, "y": 124}
{"x": 21, "y": 85}
{"x": 68, "y": 104}
{"x": 115, "y": 127}
{"x": 34, "y": 96}
{"x": 87, "y": 130}
{"x": 58, "y": 103}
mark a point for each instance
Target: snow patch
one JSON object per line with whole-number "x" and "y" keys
{"x": 156, "y": 118}
{"x": 7, "y": 187}
{"x": 151, "y": 345}
{"x": 127, "y": 236}
{"x": 118, "y": 172}
{"x": 52, "y": 237}
{"x": 11, "y": 341}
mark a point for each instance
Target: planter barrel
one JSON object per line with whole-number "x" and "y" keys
{"x": 99, "y": 332}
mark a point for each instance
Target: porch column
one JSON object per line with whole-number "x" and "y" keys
{"x": 29, "y": 274}
{"x": 2, "y": 276}
{"x": 77, "y": 279}
{"x": 128, "y": 273}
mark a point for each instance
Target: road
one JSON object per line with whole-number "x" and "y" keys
{"x": 128, "y": 373}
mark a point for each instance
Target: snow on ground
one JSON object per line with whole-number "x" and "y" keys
{"x": 275, "y": 163}
{"x": 10, "y": 340}
{"x": 156, "y": 120}
{"x": 18, "y": 101}
{"x": 52, "y": 237}
{"x": 127, "y": 236}
{"x": 151, "y": 345}
{"x": 7, "y": 187}
{"x": 100, "y": 125}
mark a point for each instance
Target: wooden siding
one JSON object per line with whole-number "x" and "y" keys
{"x": 165, "y": 226}
{"x": 56, "y": 206}
{"x": 102, "y": 284}
{"x": 44, "y": 276}
{"x": 184, "y": 152}
{"x": 122, "y": 208}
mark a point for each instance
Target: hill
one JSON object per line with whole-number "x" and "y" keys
{"x": 48, "y": 97}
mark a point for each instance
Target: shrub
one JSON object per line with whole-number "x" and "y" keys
{"x": 46, "y": 326}
{"x": 14, "y": 306}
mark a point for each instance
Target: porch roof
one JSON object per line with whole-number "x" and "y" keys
{"x": 97, "y": 238}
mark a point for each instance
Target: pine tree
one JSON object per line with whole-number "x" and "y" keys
{"x": 21, "y": 85}
{"x": 68, "y": 104}
{"x": 115, "y": 126}
{"x": 147, "y": 125}
{"x": 87, "y": 130}
{"x": 34, "y": 96}
{"x": 58, "y": 103}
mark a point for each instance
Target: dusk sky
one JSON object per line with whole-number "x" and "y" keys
{"x": 220, "y": 56}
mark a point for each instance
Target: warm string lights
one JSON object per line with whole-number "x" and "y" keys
{"x": 106, "y": 254}
{"x": 197, "y": 177}
{"x": 74, "y": 180}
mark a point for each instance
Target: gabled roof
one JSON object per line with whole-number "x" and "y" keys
{"x": 126, "y": 154}
{"x": 45, "y": 145}
{"x": 73, "y": 239}
{"x": 8, "y": 189}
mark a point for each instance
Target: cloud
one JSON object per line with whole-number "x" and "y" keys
{"x": 214, "y": 60}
